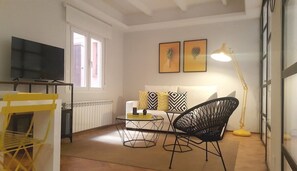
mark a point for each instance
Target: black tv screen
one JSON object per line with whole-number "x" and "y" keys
{"x": 37, "y": 61}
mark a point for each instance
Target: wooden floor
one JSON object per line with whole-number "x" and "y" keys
{"x": 250, "y": 157}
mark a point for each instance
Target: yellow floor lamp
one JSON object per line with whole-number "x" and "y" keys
{"x": 225, "y": 54}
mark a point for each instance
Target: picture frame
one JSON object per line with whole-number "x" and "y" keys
{"x": 169, "y": 57}
{"x": 195, "y": 55}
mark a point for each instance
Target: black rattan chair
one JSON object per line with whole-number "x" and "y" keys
{"x": 207, "y": 122}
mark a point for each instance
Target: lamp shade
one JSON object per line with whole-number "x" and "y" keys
{"x": 222, "y": 54}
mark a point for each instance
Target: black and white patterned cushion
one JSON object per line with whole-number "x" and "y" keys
{"x": 177, "y": 101}
{"x": 152, "y": 100}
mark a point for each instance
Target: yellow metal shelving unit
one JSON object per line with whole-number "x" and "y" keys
{"x": 16, "y": 147}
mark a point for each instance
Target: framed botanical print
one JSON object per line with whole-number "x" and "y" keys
{"x": 195, "y": 55}
{"x": 169, "y": 57}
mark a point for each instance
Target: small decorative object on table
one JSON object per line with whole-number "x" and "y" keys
{"x": 135, "y": 111}
{"x": 144, "y": 111}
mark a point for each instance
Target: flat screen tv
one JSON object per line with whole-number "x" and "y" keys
{"x": 36, "y": 61}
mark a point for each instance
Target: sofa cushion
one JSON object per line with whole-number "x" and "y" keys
{"x": 162, "y": 101}
{"x": 232, "y": 94}
{"x": 213, "y": 96}
{"x": 142, "y": 104}
{"x": 177, "y": 101}
{"x": 197, "y": 94}
{"x": 152, "y": 100}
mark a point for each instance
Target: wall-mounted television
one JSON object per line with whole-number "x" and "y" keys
{"x": 36, "y": 61}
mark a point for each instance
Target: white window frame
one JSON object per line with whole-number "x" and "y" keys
{"x": 88, "y": 61}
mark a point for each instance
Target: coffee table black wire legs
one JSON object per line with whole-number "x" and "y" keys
{"x": 138, "y": 137}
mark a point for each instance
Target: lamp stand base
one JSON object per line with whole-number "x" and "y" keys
{"x": 242, "y": 132}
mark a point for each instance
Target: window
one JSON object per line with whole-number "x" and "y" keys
{"x": 86, "y": 60}
{"x": 289, "y": 83}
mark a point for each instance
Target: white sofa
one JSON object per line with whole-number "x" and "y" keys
{"x": 195, "y": 95}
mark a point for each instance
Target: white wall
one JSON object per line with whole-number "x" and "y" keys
{"x": 41, "y": 21}
{"x": 141, "y": 63}
{"x": 44, "y": 21}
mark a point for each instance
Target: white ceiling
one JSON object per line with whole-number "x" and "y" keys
{"x": 137, "y": 15}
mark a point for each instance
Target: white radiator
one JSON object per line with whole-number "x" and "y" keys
{"x": 91, "y": 114}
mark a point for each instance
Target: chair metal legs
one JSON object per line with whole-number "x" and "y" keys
{"x": 217, "y": 149}
{"x": 206, "y": 152}
{"x": 221, "y": 155}
{"x": 218, "y": 152}
{"x": 172, "y": 154}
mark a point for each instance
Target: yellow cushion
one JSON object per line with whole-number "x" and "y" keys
{"x": 142, "y": 99}
{"x": 162, "y": 101}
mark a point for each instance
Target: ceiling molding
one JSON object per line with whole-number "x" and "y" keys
{"x": 141, "y": 6}
{"x": 252, "y": 10}
{"x": 191, "y": 22}
{"x": 92, "y": 11}
{"x": 182, "y": 4}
